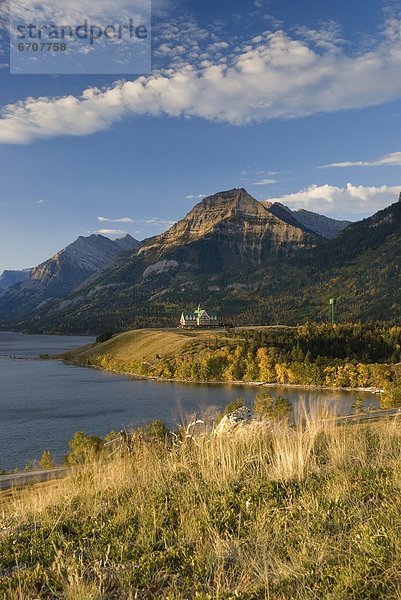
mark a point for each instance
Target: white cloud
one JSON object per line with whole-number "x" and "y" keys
{"x": 264, "y": 182}
{"x": 278, "y": 77}
{"x": 40, "y": 201}
{"x": 155, "y": 221}
{"x": 349, "y": 200}
{"x": 258, "y": 172}
{"x": 327, "y": 38}
{"x": 75, "y": 11}
{"x": 393, "y": 159}
{"x": 111, "y": 232}
{"x": 195, "y": 196}
{"x": 121, "y": 220}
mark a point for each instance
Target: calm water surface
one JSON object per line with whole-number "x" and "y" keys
{"x": 42, "y": 403}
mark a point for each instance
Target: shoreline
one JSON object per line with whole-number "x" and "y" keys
{"x": 371, "y": 390}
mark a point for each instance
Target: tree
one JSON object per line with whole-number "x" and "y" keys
{"x": 46, "y": 460}
{"x": 266, "y": 366}
{"x": 252, "y": 368}
{"x": 103, "y": 337}
{"x": 82, "y": 448}
{"x": 391, "y": 397}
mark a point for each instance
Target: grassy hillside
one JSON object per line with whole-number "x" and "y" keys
{"x": 282, "y": 514}
{"x": 348, "y": 355}
{"x": 141, "y": 345}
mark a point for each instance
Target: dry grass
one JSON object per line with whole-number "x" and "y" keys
{"x": 308, "y": 513}
{"x": 141, "y": 345}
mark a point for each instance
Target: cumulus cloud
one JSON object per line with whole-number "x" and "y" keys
{"x": 350, "y": 200}
{"x": 120, "y": 220}
{"x": 278, "y": 76}
{"x": 193, "y": 196}
{"x": 393, "y": 159}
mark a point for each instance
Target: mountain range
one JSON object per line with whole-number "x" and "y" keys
{"x": 324, "y": 226}
{"x": 252, "y": 262}
{"x": 10, "y": 278}
{"x": 58, "y": 276}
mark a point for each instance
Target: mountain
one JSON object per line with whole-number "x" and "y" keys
{"x": 61, "y": 274}
{"x": 323, "y": 226}
{"x": 232, "y": 225}
{"x": 361, "y": 267}
{"x": 126, "y": 243}
{"x": 10, "y": 278}
{"x": 224, "y": 247}
{"x": 251, "y": 262}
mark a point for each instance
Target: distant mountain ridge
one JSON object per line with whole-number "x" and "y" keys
{"x": 325, "y": 226}
{"x": 62, "y": 273}
{"x": 9, "y": 278}
{"x": 251, "y": 262}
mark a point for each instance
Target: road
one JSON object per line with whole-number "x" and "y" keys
{"x": 17, "y": 480}
{"x": 375, "y": 415}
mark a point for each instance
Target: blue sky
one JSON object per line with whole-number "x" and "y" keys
{"x": 295, "y": 101}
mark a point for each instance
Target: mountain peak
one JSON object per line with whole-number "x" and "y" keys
{"x": 127, "y": 242}
{"x": 230, "y": 225}
{"x": 213, "y": 210}
{"x": 64, "y": 272}
{"x": 9, "y": 278}
{"x": 237, "y": 200}
{"x": 324, "y": 226}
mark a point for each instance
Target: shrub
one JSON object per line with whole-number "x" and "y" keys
{"x": 266, "y": 406}
{"x": 230, "y": 407}
{"x": 156, "y": 430}
{"x": 83, "y": 447}
{"x": 46, "y": 460}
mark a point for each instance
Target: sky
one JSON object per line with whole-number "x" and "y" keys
{"x": 296, "y": 101}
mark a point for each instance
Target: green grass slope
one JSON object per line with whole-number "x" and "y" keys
{"x": 305, "y": 513}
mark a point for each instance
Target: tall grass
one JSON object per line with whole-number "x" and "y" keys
{"x": 311, "y": 512}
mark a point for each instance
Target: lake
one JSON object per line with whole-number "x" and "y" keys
{"x": 42, "y": 403}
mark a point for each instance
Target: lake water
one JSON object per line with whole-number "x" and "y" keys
{"x": 42, "y": 403}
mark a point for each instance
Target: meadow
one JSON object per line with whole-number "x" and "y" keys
{"x": 278, "y": 512}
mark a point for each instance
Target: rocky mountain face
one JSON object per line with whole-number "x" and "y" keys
{"x": 221, "y": 238}
{"x": 212, "y": 250}
{"x": 10, "y": 278}
{"x": 250, "y": 262}
{"x": 230, "y": 229}
{"x": 62, "y": 273}
{"x": 323, "y": 226}
{"x": 126, "y": 243}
